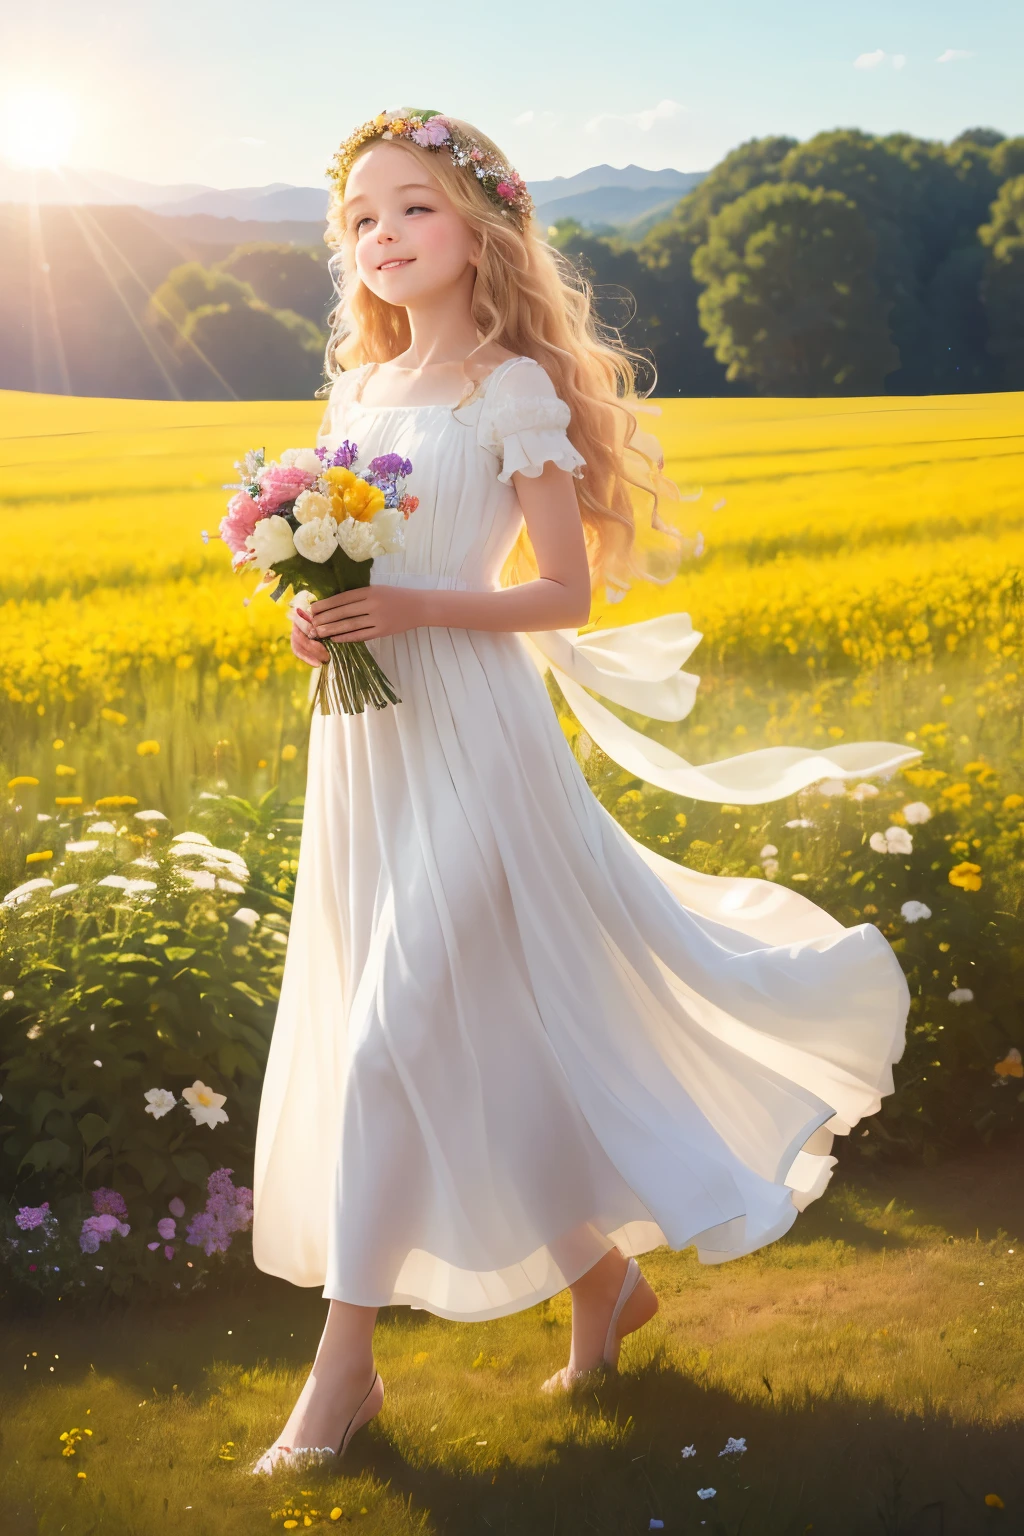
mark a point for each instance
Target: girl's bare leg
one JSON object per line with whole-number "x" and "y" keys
{"x": 594, "y": 1296}
{"x": 339, "y": 1379}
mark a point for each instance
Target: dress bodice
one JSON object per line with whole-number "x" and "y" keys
{"x": 463, "y": 459}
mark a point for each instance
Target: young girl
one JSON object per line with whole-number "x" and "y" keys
{"x": 515, "y": 1048}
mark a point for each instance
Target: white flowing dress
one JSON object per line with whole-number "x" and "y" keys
{"x": 509, "y": 1036}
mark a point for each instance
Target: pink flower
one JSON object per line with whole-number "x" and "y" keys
{"x": 167, "y": 1228}
{"x": 507, "y": 191}
{"x": 100, "y": 1229}
{"x": 242, "y": 516}
{"x": 107, "y": 1202}
{"x": 434, "y": 132}
{"x": 279, "y": 485}
{"x": 176, "y": 1206}
{"x": 152, "y": 1246}
{"x": 168, "y": 1253}
{"x": 32, "y": 1216}
{"x": 476, "y": 154}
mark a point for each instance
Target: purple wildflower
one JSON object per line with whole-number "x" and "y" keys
{"x": 167, "y": 1228}
{"x": 228, "y": 1210}
{"x": 100, "y": 1229}
{"x": 107, "y": 1202}
{"x": 32, "y": 1216}
{"x": 176, "y": 1206}
{"x": 343, "y": 457}
{"x": 390, "y": 465}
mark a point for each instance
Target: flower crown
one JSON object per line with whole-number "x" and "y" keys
{"x": 430, "y": 130}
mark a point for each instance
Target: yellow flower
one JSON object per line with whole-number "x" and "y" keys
{"x": 114, "y": 716}
{"x": 335, "y": 1513}
{"x": 67, "y": 799}
{"x": 22, "y": 778}
{"x": 289, "y": 753}
{"x": 148, "y": 748}
{"x": 58, "y": 744}
{"x": 351, "y": 496}
{"x": 967, "y": 876}
{"x": 115, "y": 802}
{"x": 39, "y": 858}
{"x": 84, "y": 1475}
{"x": 65, "y": 771}
{"x": 1012, "y": 802}
{"x": 994, "y": 1501}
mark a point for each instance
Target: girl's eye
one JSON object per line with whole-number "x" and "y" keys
{"x": 364, "y": 220}
{"x": 418, "y": 208}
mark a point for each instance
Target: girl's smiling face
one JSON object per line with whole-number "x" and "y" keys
{"x": 410, "y": 242}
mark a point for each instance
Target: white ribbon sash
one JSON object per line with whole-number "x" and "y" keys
{"x": 638, "y": 666}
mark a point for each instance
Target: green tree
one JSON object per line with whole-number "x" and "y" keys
{"x": 285, "y": 277}
{"x": 1008, "y": 160}
{"x": 1003, "y": 284}
{"x": 190, "y": 286}
{"x": 251, "y": 351}
{"x": 790, "y": 302}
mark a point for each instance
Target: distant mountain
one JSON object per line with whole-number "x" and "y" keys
{"x": 601, "y": 195}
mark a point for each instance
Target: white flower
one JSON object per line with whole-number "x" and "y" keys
{"x": 771, "y": 868}
{"x": 271, "y": 541}
{"x": 63, "y": 890}
{"x": 863, "y": 791}
{"x": 136, "y": 887}
{"x": 915, "y": 911}
{"x": 190, "y": 850}
{"x": 389, "y": 526}
{"x": 892, "y": 840}
{"x": 801, "y": 821}
{"x": 84, "y": 847}
{"x": 247, "y": 916}
{"x": 106, "y": 827}
{"x": 23, "y": 892}
{"x": 705, "y": 1493}
{"x": 200, "y": 878}
{"x": 734, "y": 1447}
{"x": 768, "y": 851}
{"x": 193, "y": 837}
{"x": 282, "y": 938}
{"x": 159, "y": 1101}
{"x": 318, "y": 539}
{"x": 204, "y": 1105}
{"x": 688, "y": 1450}
{"x": 358, "y": 540}
{"x": 146, "y": 863}
{"x": 303, "y": 601}
{"x": 312, "y": 505}
{"x": 829, "y": 787}
{"x": 119, "y": 881}
{"x": 961, "y": 995}
{"x": 232, "y": 886}
{"x": 301, "y": 458}
{"x": 42, "y": 816}
{"x": 917, "y": 813}
{"x": 150, "y": 816}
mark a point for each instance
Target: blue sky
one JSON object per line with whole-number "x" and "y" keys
{"x": 245, "y": 92}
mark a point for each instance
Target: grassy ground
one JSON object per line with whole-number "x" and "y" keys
{"x": 873, "y": 1361}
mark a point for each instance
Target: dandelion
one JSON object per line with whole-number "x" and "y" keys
{"x": 768, "y": 851}
{"x": 966, "y": 876}
{"x": 915, "y": 911}
{"x": 289, "y": 753}
{"x": 148, "y": 748}
{"x": 961, "y": 995}
{"x": 917, "y": 813}
{"x": 863, "y": 791}
{"x": 204, "y": 1104}
{"x": 67, "y": 800}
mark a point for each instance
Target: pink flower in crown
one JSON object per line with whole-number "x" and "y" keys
{"x": 476, "y": 154}
{"x": 434, "y": 132}
{"x": 279, "y": 485}
{"x": 506, "y": 191}
{"x": 242, "y": 516}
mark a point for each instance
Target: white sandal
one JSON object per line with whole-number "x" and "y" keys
{"x": 301, "y": 1457}
{"x": 564, "y": 1379}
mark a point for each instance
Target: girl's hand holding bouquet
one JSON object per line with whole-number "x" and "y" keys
{"x": 312, "y": 524}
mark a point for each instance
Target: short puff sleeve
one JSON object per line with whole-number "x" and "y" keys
{"x": 524, "y": 422}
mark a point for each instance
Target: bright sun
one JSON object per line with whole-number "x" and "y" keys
{"x": 39, "y": 126}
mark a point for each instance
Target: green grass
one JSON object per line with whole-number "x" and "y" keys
{"x": 873, "y": 1360}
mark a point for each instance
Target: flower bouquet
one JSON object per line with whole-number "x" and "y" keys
{"x": 313, "y": 524}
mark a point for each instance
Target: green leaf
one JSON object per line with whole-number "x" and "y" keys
{"x": 178, "y": 952}
{"x": 47, "y": 1154}
{"x": 151, "y": 1168}
{"x": 247, "y": 991}
{"x": 92, "y": 1128}
{"x": 131, "y": 959}
{"x": 193, "y": 1167}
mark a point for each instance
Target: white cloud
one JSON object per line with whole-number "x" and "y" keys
{"x": 664, "y": 112}
{"x": 523, "y": 119}
{"x": 952, "y": 54}
{"x": 869, "y": 60}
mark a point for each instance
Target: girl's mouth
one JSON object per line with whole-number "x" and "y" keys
{"x": 399, "y": 261}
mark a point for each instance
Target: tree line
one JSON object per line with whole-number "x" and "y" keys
{"x": 848, "y": 264}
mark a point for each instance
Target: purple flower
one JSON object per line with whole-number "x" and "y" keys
{"x": 167, "y": 1228}
{"x": 390, "y": 465}
{"x": 344, "y": 456}
{"x": 100, "y": 1229}
{"x": 176, "y": 1206}
{"x": 434, "y": 132}
{"x": 228, "y": 1210}
{"x": 107, "y": 1202}
{"x": 32, "y": 1216}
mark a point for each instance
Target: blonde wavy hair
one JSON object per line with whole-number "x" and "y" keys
{"x": 530, "y": 300}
